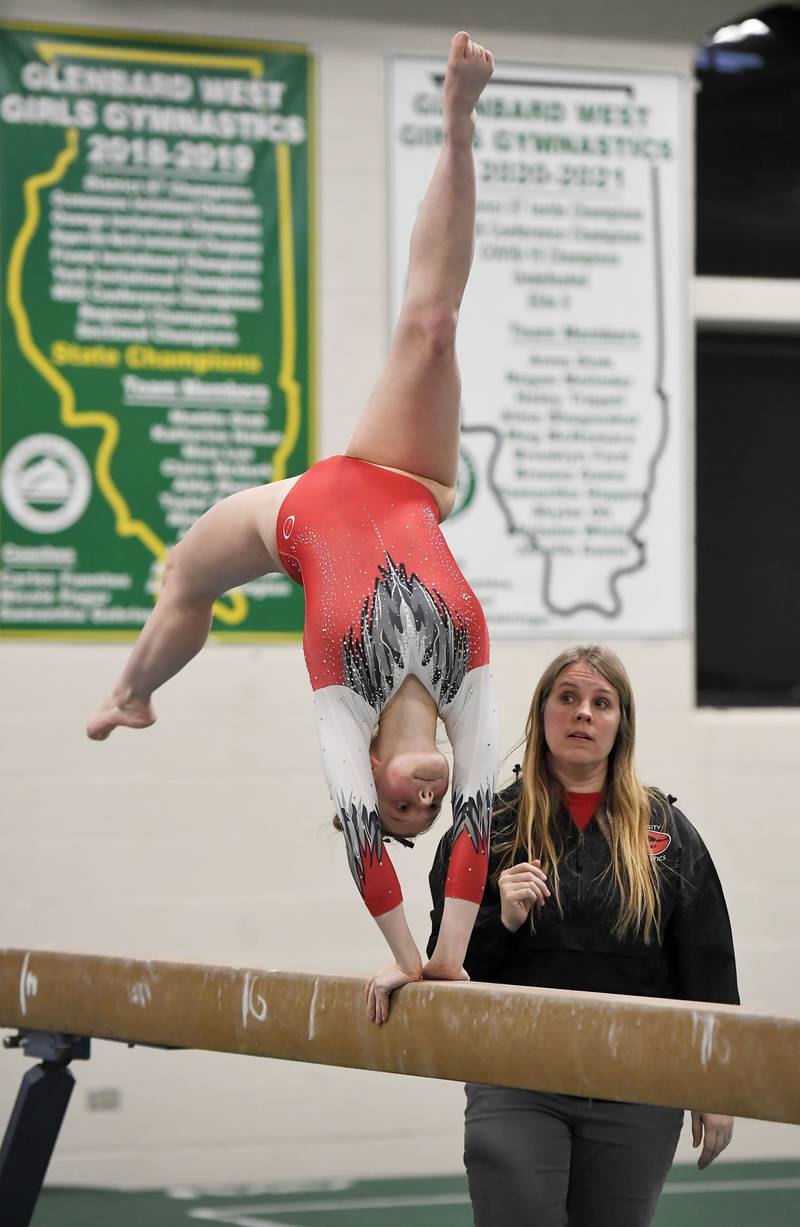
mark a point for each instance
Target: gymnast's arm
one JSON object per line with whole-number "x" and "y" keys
{"x": 345, "y": 723}
{"x": 472, "y": 727}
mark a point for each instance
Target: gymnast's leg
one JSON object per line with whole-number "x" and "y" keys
{"x": 223, "y": 550}
{"x": 411, "y": 420}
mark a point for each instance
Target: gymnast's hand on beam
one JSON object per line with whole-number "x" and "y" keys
{"x": 434, "y": 970}
{"x": 380, "y": 988}
{"x": 715, "y": 1132}
{"x": 522, "y": 887}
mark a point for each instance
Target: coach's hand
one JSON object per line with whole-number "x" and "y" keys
{"x": 715, "y": 1133}
{"x": 522, "y": 887}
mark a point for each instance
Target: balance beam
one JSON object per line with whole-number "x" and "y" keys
{"x": 713, "y": 1058}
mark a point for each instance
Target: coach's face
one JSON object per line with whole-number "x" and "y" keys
{"x": 581, "y": 718}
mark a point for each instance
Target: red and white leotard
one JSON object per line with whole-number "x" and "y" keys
{"x": 385, "y": 600}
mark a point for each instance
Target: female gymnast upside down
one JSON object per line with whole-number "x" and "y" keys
{"x": 394, "y": 637}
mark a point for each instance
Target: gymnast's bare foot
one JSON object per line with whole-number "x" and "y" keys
{"x": 128, "y": 713}
{"x": 469, "y": 67}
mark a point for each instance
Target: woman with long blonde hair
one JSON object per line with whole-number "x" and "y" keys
{"x": 596, "y": 883}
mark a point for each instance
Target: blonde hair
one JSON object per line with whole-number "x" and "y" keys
{"x": 624, "y": 817}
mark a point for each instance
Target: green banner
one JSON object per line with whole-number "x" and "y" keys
{"x": 156, "y": 334}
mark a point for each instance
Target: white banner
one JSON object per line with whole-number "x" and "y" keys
{"x": 572, "y": 516}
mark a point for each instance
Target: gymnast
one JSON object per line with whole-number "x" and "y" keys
{"x": 394, "y": 637}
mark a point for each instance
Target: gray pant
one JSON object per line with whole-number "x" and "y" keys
{"x": 539, "y": 1160}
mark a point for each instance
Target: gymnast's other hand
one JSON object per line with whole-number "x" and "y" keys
{"x": 380, "y": 988}
{"x": 443, "y": 971}
{"x": 128, "y": 712}
{"x": 522, "y": 887}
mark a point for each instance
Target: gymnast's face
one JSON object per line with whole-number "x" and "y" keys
{"x": 410, "y": 790}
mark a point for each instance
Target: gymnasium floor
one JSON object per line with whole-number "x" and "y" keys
{"x": 728, "y": 1195}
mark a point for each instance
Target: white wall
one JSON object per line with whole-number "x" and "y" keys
{"x": 206, "y": 838}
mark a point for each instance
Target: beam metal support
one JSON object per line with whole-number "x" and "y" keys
{"x": 36, "y": 1120}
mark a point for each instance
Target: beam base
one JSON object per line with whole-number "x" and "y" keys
{"x": 35, "y": 1122}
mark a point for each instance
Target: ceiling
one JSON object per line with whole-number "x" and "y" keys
{"x": 669, "y": 21}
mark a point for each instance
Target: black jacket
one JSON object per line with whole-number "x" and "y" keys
{"x": 692, "y": 959}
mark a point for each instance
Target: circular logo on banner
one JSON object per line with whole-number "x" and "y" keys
{"x": 46, "y": 483}
{"x": 466, "y": 482}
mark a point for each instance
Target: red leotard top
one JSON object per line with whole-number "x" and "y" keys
{"x": 385, "y": 600}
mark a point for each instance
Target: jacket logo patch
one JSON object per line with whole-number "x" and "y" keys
{"x": 659, "y": 841}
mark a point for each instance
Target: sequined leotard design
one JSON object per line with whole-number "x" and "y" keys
{"x": 385, "y": 600}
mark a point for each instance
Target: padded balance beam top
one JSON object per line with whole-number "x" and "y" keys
{"x": 712, "y": 1058}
